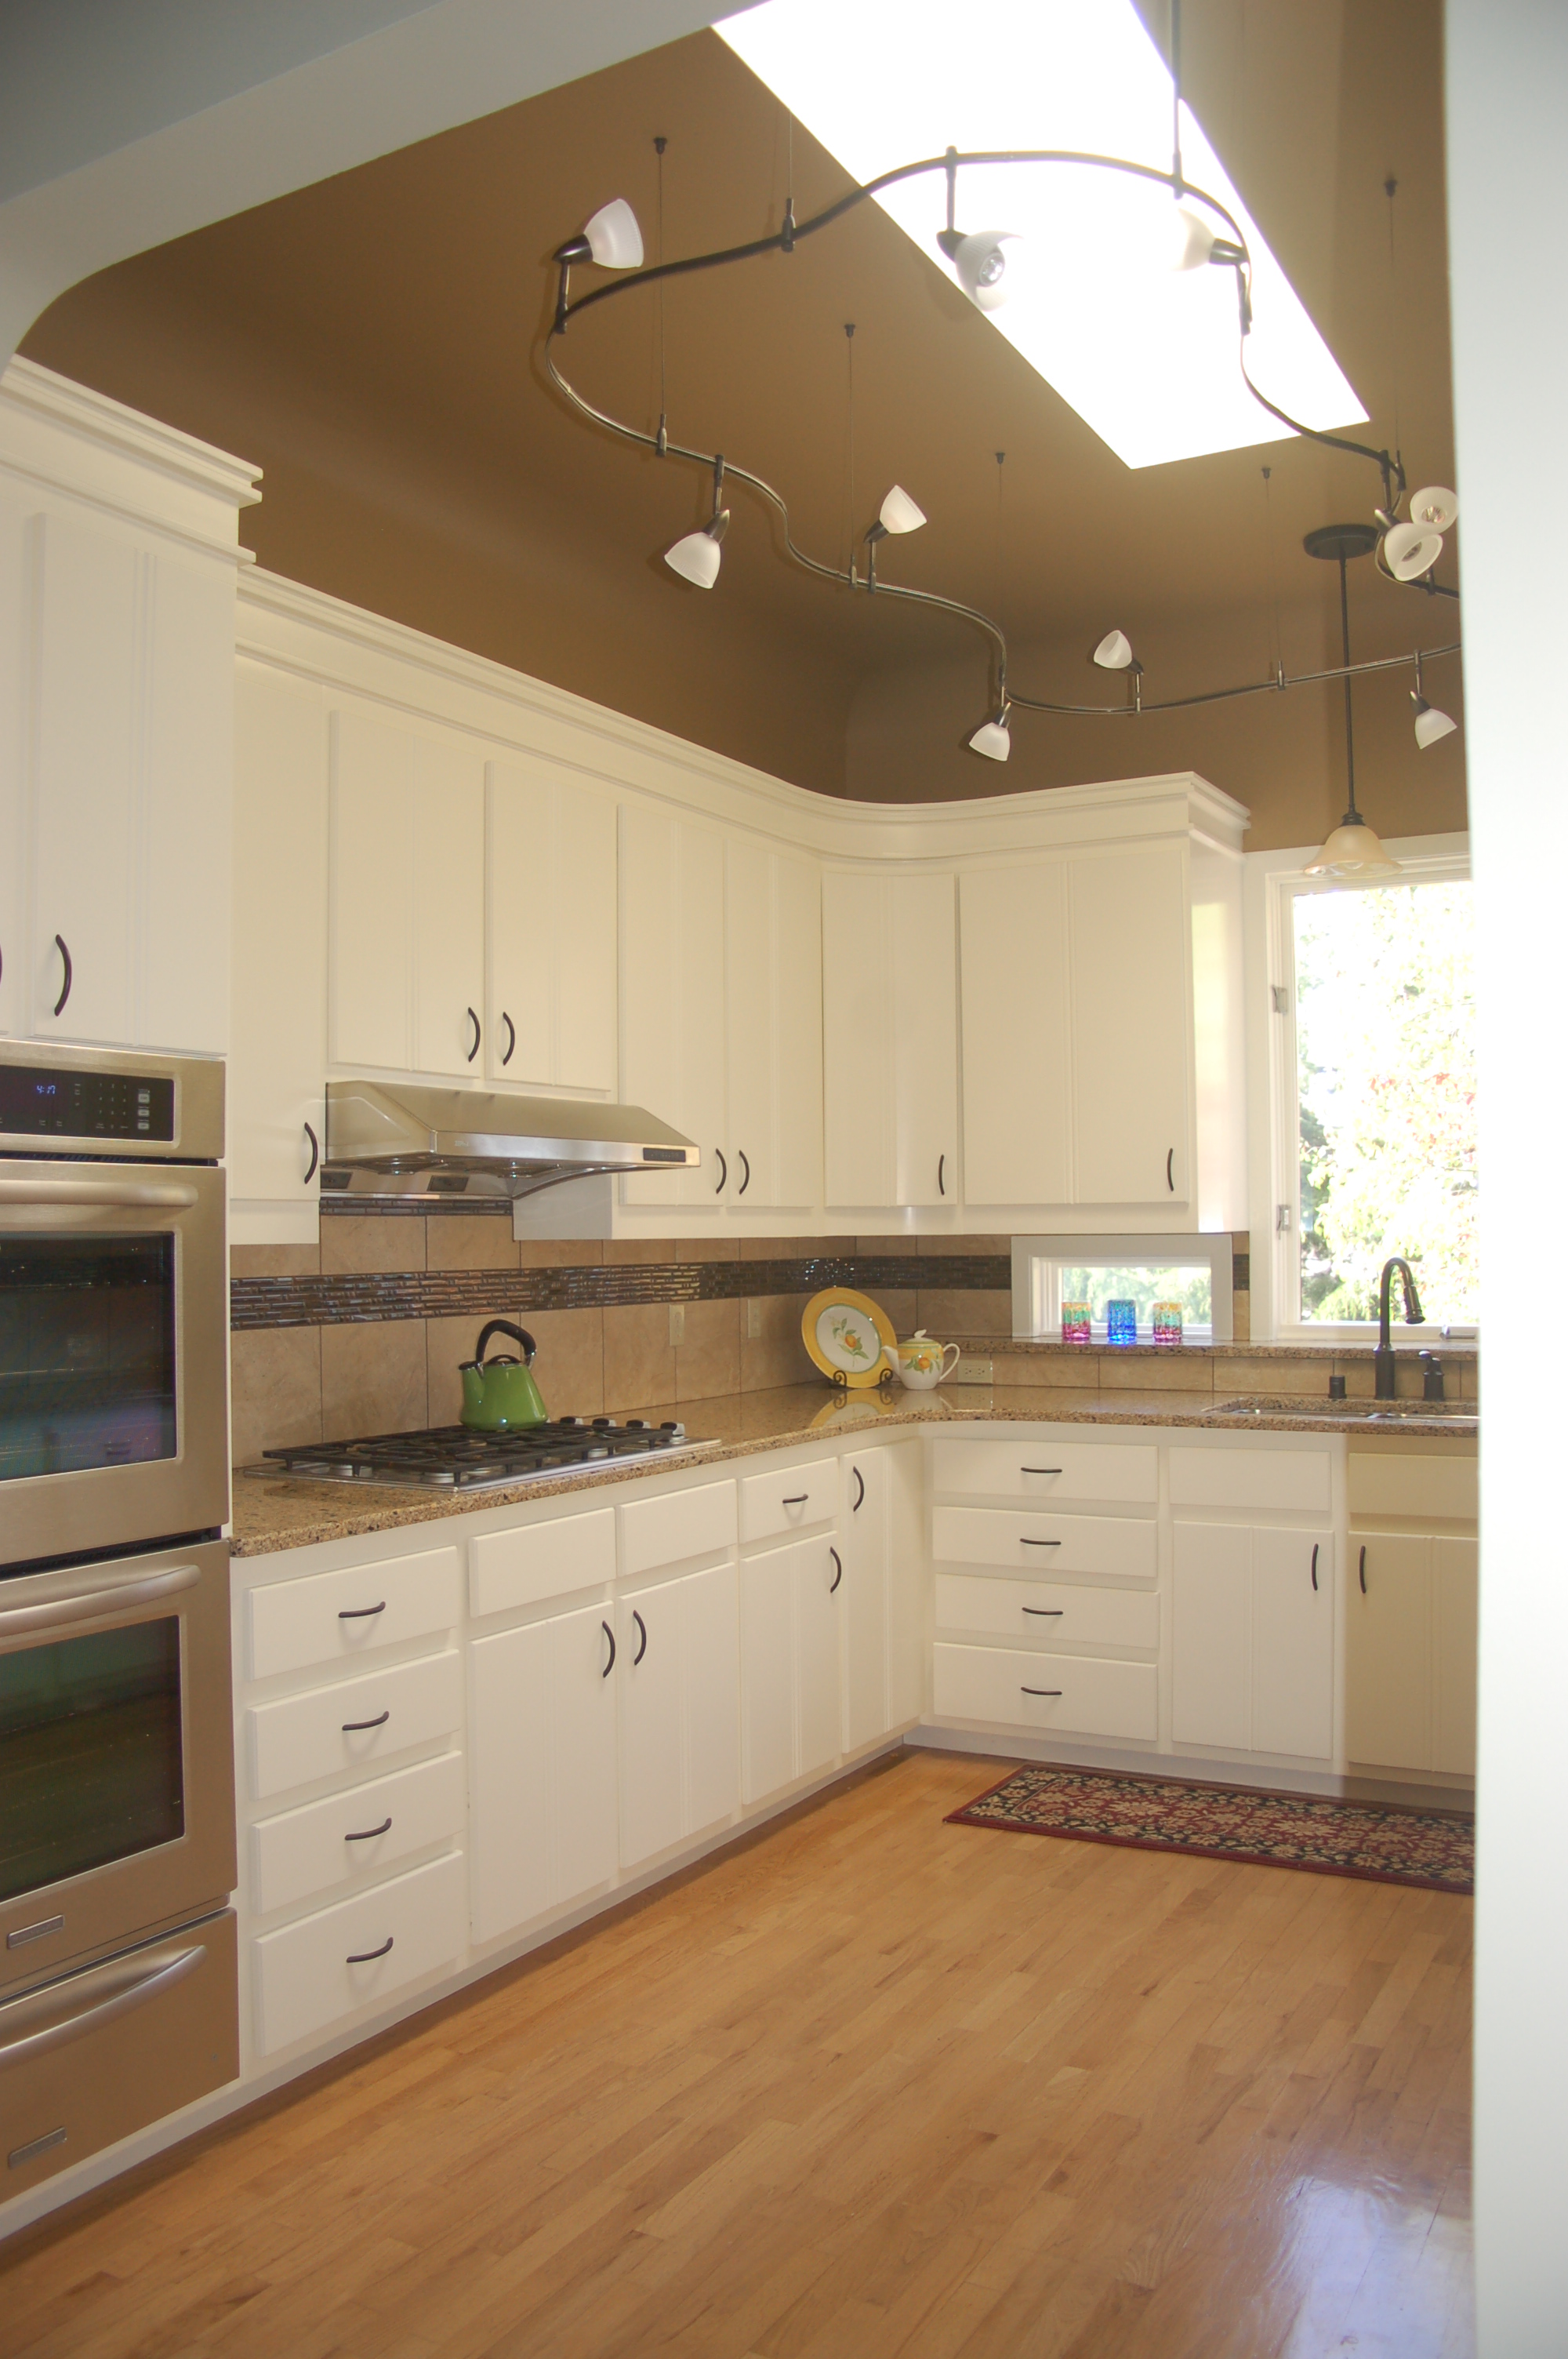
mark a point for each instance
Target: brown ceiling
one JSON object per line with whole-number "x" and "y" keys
{"x": 374, "y": 342}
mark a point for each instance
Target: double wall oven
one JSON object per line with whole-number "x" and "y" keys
{"x": 117, "y": 1971}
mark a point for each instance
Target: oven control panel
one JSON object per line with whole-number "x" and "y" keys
{"x": 45, "y": 1101}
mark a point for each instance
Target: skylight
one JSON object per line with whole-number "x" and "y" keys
{"x": 1147, "y": 356}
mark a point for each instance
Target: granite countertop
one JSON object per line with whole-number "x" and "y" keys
{"x": 272, "y": 1512}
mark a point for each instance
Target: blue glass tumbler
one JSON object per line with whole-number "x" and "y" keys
{"x": 1122, "y": 1322}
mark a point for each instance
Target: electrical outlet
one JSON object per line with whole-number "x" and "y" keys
{"x": 754, "y": 1319}
{"x": 678, "y": 1324}
{"x": 974, "y": 1372}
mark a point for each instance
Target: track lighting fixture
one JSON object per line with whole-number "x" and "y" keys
{"x": 609, "y": 238}
{"x": 1114, "y": 652}
{"x": 991, "y": 737}
{"x": 694, "y": 557}
{"x": 1434, "y": 506}
{"x": 988, "y": 266}
{"x": 1429, "y": 723}
{"x": 900, "y": 513}
{"x": 1410, "y": 550}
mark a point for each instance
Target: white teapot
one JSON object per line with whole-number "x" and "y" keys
{"x": 920, "y": 1363}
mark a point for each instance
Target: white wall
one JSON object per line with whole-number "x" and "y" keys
{"x": 1508, "y": 199}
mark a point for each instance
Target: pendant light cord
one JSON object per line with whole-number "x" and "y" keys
{"x": 1391, "y": 187}
{"x": 850, "y": 344}
{"x": 663, "y": 445}
{"x": 1353, "y": 817}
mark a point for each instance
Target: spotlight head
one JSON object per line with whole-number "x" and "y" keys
{"x": 1191, "y": 240}
{"x": 694, "y": 557}
{"x": 900, "y": 513}
{"x": 614, "y": 239}
{"x": 1114, "y": 652}
{"x": 991, "y": 738}
{"x": 1434, "y": 506}
{"x": 1429, "y": 723}
{"x": 986, "y": 265}
{"x": 1410, "y": 550}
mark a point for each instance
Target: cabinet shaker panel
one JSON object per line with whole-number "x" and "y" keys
{"x": 1128, "y": 930}
{"x": 672, "y": 994}
{"x": 1455, "y": 1600}
{"x": 1387, "y": 1651}
{"x": 889, "y": 1040}
{"x": 1013, "y": 957}
{"x": 1211, "y": 1635}
{"x": 550, "y": 930}
{"x": 1292, "y": 1642}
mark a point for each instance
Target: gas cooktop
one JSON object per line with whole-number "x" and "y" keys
{"x": 460, "y": 1458}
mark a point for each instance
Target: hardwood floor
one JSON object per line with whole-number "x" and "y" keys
{"x": 868, "y": 2086}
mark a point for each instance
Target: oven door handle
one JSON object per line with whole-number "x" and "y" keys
{"x": 129, "y": 1986}
{"x": 96, "y": 1604}
{"x": 134, "y": 1195}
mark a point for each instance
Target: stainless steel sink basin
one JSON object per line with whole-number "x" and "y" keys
{"x": 1357, "y": 1412}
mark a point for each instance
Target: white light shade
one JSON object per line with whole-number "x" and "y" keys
{"x": 1191, "y": 240}
{"x": 988, "y": 268}
{"x": 1435, "y": 507}
{"x": 695, "y": 558}
{"x": 991, "y": 740}
{"x": 1114, "y": 652}
{"x": 1412, "y": 549}
{"x": 1431, "y": 725}
{"x": 613, "y": 237}
{"x": 899, "y": 512}
{"x": 1353, "y": 850}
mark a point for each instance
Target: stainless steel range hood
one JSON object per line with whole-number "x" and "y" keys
{"x": 397, "y": 1138}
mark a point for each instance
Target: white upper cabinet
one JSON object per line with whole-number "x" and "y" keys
{"x": 1127, "y": 946}
{"x": 550, "y": 928}
{"x": 890, "y": 1038}
{"x": 773, "y": 999}
{"x": 1012, "y": 933}
{"x": 672, "y": 994}
{"x": 408, "y": 897}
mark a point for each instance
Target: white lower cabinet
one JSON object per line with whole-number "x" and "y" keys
{"x": 361, "y": 1832}
{"x": 677, "y": 1680}
{"x": 1410, "y": 1652}
{"x": 1253, "y": 1666}
{"x": 881, "y": 1595}
{"x": 357, "y": 1955}
{"x": 542, "y": 1768}
{"x": 1078, "y": 1695}
{"x": 790, "y": 1711}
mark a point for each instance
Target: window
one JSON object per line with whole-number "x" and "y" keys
{"x": 1194, "y": 1271}
{"x": 1373, "y": 1051}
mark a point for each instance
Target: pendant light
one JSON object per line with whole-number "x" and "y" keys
{"x": 1352, "y": 850}
{"x": 991, "y": 737}
{"x": 1114, "y": 652}
{"x": 694, "y": 557}
{"x": 1429, "y": 723}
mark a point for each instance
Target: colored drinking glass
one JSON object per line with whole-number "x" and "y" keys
{"x": 1122, "y": 1322}
{"x": 1076, "y": 1326}
{"x": 1167, "y": 1323}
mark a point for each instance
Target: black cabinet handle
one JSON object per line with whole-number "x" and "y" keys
{"x": 1039, "y": 1470}
{"x": 511, "y": 1036}
{"x": 351, "y": 1726}
{"x": 1030, "y": 1543}
{"x": 1056, "y": 1691}
{"x": 799, "y": 1500}
{"x": 837, "y": 1571}
{"x": 1169, "y": 1160}
{"x": 359, "y": 1612}
{"x": 746, "y": 1169}
{"x": 473, "y": 1019}
{"x": 1046, "y": 1613}
{"x": 1315, "y": 1549}
{"x": 723, "y": 1173}
{"x": 314, "y": 1156}
{"x": 369, "y": 1834}
{"x": 941, "y": 1169}
{"x": 363, "y": 1957}
{"x": 610, "y": 1664}
{"x": 65, "y": 962}
{"x": 860, "y": 1493}
{"x": 1363, "y": 1573}
{"x": 642, "y": 1633}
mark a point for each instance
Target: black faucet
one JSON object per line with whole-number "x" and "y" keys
{"x": 1383, "y": 1358}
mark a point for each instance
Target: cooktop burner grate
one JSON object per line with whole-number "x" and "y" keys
{"x": 457, "y": 1458}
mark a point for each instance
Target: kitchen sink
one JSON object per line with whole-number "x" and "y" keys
{"x": 1357, "y": 1412}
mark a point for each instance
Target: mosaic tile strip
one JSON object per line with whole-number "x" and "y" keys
{"x": 447, "y": 1294}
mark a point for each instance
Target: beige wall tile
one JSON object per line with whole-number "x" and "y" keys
{"x": 1360, "y": 1378}
{"x": 698, "y": 1249}
{"x": 1241, "y": 1316}
{"x": 778, "y": 1355}
{"x": 901, "y": 1305}
{"x": 774, "y": 1248}
{"x": 353, "y": 1244}
{"x": 708, "y": 1361}
{"x": 639, "y": 1359}
{"x": 569, "y": 1365}
{"x": 470, "y": 1241}
{"x": 965, "y": 1245}
{"x": 637, "y": 1249}
{"x": 981, "y": 1313}
{"x": 561, "y": 1253}
{"x": 1069, "y": 1370}
{"x": 1143, "y": 1374}
{"x": 275, "y": 1375}
{"x": 1285, "y": 1374}
{"x": 886, "y": 1244}
{"x": 273, "y": 1261}
{"x": 374, "y": 1378}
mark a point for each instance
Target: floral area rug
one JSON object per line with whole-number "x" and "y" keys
{"x": 1435, "y": 1848}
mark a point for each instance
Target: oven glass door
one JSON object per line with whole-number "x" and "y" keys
{"x": 87, "y": 1353}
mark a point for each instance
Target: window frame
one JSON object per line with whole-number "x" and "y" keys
{"x": 1273, "y": 881}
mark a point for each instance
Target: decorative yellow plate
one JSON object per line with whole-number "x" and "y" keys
{"x": 844, "y": 1333}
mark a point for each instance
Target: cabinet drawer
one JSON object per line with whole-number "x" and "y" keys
{"x": 1250, "y": 1478}
{"x": 359, "y": 1953}
{"x": 540, "y": 1561}
{"x": 1096, "y": 1473}
{"x": 791, "y": 1499}
{"x": 1028, "y": 1543}
{"x": 1044, "y": 1611}
{"x": 1095, "y": 1699}
{"x": 1383, "y": 1484}
{"x": 329, "y": 1842}
{"x": 342, "y": 1730}
{"x": 680, "y": 1524}
{"x": 329, "y": 1617}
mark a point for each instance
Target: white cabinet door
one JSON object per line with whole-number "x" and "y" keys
{"x": 1128, "y": 954}
{"x": 889, "y": 1038}
{"x": 278, "y": 1054}
{"x": 1456, "y": 1602}
{"x": 767, "y": 1672}
{"x": 1012, "y": 947}
{"x": 1387, "y": 1651}
{"x": 15, "y": 679}
{"x": 542, "y": 1770}
{"x": 672, "y": 994}
{"x": 677, "y": 1671}
{"x": 1292, "y": 1642}
{"x": 1211, "y": 1640}
{"x": 408, "y": 897}
{"x": 818, "y": 1585}
{"x": 712, "y": 1696}
{"x": 773, "y": 1050}
{"x": 550, "y": 928}
{"x": 909, "y": 1632}
{"x": 863, "y": 1546}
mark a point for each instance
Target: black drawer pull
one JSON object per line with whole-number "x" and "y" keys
{"x": 799, "y": 1500}
{"x": 1034, "y": 1543}
{"x": 610, "y": 1664}
{"x": 314, "y": 1156}
{"x": 511, "y": 1036}
{"x": 1046, "y": 1613}
{"x": 1047, "y": 1691}
{"x": 364, "y": 1957}
{"x": 65, "y": 962}
{"x": 723, "y": 1173}
{"x": 351, "y": 1727}
{"x": 1363, "y": 1573}
{"x": 359, "y": 1612}
{"x": 369, "y": 1834}
{"x": 1170, "y": 1158}
{"x": 1039, "y": 1470}
{"x": 837, "y": 1571}
{"x": 941, "y": 1171}
{"x": 473, "y": 1019}
{"x": 1314, "y": 1550}
{"x": 642, "y": 1633}
{"x": 746, "y": 1172}
{"x": 860, "y": 1493}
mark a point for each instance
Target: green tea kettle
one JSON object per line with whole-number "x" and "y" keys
{"x": 501, "y": 1393}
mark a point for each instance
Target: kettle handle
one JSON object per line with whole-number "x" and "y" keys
{"x": 504, "y": 1327}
